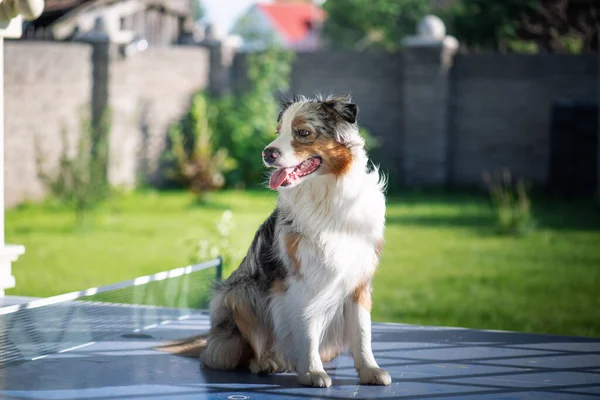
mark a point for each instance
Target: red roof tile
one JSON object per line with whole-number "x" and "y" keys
{"x": 293, "y": 20}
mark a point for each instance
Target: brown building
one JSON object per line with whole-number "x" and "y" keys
{"x": 159, "y": 22}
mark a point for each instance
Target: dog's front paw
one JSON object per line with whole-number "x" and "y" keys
{"x": 315, "y": 379}
{"x": 374, "y": 376}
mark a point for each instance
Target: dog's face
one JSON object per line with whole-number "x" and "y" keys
{"x": 315, "y": 137}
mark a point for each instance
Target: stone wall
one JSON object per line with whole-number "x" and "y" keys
{"x": 445, "y": 119}
{"x": 500, "y": 110}
{"x": 147, "y": 93}
{"x": 441, "y": 119}
{"x": 46, "y": 87}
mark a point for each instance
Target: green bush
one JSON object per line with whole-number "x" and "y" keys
{"x": 193, "y": 159}
{"x": 511, "y": 203}
{"x": 245, "y": 123}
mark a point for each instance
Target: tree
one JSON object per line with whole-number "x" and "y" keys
{"x": 525, "y": 25}
{"x": 563, "y": 26}
{"x": 362, "y": 24}
{"x": 486, "y": 25}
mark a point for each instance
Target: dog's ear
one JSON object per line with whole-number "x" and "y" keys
{"x": 342, "y": 106}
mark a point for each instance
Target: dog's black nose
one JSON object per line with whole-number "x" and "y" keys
{"x": 270, "y": 155}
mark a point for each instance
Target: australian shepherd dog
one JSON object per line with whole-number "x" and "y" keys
{"x": 302, "y": 294}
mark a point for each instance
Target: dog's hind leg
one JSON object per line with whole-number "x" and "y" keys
{"x": 254, "y": 332}
{"x": 226, "y": 348}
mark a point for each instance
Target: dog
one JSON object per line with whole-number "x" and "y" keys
{"x": 302, "y": 294}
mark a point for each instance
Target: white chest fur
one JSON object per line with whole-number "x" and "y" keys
{"x": 340, "y": 225}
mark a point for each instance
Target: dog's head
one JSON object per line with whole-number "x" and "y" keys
{"x": 315, "y": 138}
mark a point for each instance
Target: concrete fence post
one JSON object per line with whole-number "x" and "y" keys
{"x": 104, "y": 51}
{"x": 101, "y": 56}
{"x": 220, "y": 61}
{"x": 221, "y": 53}
{"x": 428, "y": 57}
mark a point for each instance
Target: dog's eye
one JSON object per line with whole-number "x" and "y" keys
{"x": 303, "y": 133}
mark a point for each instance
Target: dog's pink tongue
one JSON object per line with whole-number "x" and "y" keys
{"x": 278, "y": 178}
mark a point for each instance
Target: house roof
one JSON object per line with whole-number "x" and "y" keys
{"x": 62, "y": 15}
{"x": 293, "y": 20}
{"x": 88, "y": 10}
{"x": 55, "y": 5}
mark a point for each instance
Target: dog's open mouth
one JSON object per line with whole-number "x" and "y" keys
{"x": 287, "y": 176}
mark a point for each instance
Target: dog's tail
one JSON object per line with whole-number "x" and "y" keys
{"x": 190, "y": 347}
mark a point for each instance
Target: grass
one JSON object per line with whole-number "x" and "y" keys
{"x": 442, "y": 263}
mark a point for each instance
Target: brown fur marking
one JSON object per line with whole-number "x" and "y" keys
{"x": 337, "y": 158}
{"x": 291, "y": 244}
{"x": 249, "y": 326}
{"x": 362, "y": 295}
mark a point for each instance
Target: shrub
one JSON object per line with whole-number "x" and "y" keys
{"x": 511, "y": 203}
{"x": 193, "y": 159}
{"x": 244, "y": 124}
{"x": 80, "y": 181}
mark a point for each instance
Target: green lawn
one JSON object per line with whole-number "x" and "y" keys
{"x": 442, "y": 263}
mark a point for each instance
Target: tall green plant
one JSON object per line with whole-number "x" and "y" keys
{"x": 193, "y": 159}
{"x": 80, "y": 181}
